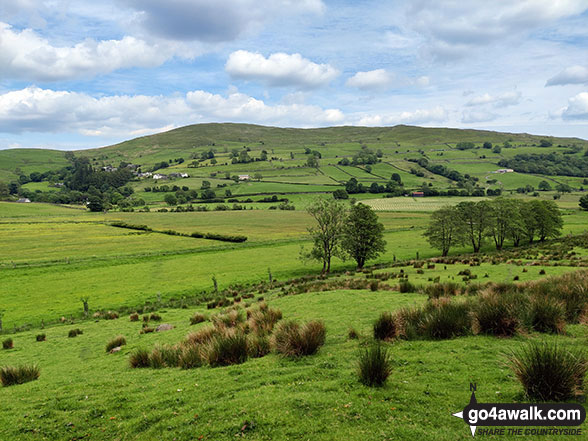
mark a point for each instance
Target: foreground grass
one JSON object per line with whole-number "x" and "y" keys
{"x": 84, "y": 392}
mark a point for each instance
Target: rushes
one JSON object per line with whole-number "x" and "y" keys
{"x": 374, "y": 365}
{"x": 11, "y": 375}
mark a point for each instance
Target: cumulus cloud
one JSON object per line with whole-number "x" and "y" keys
{"x": 453, "y": 28}
{"x": 570, "y": 75}
{"x": 212, "y": 21}
{"x": 381, "y": 79}
{"x": 279, "y": 69}
{"x": 577, "y": 107}
{"x": 378, "y": 79}
{"x": 25, "y": 55}
{"x": 43, "y": 110}
{"x": 503, "y": 100}
{"x": 421, "y": 116}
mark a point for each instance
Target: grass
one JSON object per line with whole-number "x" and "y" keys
{"x": 549, "y": 372}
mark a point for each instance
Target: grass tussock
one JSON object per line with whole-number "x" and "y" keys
{"x": 198, "y": 317}
{"x": 226, "y": 348}
{"x": 190, "y": 357}
{"x": 442, "y": 289}
{"x": 8, "y": 343}
{"x": 139, "y": 358}
{"x": 229, "y": 319}
{"x": 444, "y": 319}
{"x": 134, "y": 317}
{"x": 116, "y": 342}
{"x": 262, "y": 320}
{"x": 258, "y": 345}
{"x": 385, "y": 327}
{"x": 548, "y": 372}
{"x": 547, "y": 315}
{"x": 498, "y": 314}
{"x": 11, "y": 375}
{"x": 374, "y": 365}
{"x": 74, "y": 332}
{"x": 294, "y": 340}
{"x": 353, "y": 334}
{"x": 41, "y": 337}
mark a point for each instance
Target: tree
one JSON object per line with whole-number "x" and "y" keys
{"x": 504, "y": 214}
{"x": 312, "y": 161}
{"x": 445, "y": 229}
{"x": 258, "y": 176}
{"x": 584, "y": 202}
{"x": 476, "y": 220}
{"x": 340, "y": 194}
{"x": 487, "y": 145}
{"x": 170, "y": 199}
{"x": 95, "y": 203}
{"x": 548, "y": 219}
{"x": 330, "y": 217}
{"x": 363, "y": 235}
{"x": 544, "y": 186}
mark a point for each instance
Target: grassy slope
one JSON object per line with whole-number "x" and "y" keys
{"x": 99, "y": 397}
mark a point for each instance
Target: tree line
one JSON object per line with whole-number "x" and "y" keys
{"x": 499, "y": 220}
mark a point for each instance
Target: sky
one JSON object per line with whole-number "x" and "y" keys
{"x": 80, "y": 74}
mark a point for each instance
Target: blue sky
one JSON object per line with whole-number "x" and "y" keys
{"x": 80, "y": 74}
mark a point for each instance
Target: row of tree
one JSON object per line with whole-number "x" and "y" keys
{"x": 499, "y": 220}
{"x": 342, "y": 232}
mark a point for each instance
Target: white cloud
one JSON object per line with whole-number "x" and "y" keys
{"x": 577, "y": 107}
{"x": 422, "y": 116}
{"x": 477, "y": 116}
{"x": 279, "y": 69}
{"x": 378, "y": 79}
{"x": 570, "y": 75}
{"x": 503, "y": 100}
{"x": 453, "y": 27}
{"x": 212, "y": 21}
{"x": 44, "y": 110}
{"x": 25, "y": 55}
{"x": 381, "y": 79}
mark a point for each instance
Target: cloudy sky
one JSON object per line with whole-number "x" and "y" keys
{"x": 78, "y": 74}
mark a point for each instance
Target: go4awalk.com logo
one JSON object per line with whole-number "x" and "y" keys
{"x": 494, "y": 418}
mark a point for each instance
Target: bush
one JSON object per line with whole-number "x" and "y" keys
{"x": 74, "y": 333}
{"x": 292, "y": 340}
{"x": 497, "y": 314}
{"x": 226, "y": 348}
{"x": 444, "y": 319}
{"x": 7, "y": 344}
{"x": 374, "y": 366}
{"x": 41, "y": 337}
{"x": 139, "y": 358}
{"x": 547, "y": 372}
{"x": 117, "y": 341}
{"x": 385, "y": 327}
{"x": 547, "y": 315}
{"x": 189, "y": 357}
{"x": 10, "y": 375}
{"x": 198, "y": 317}
{"x": 134, "y": 317}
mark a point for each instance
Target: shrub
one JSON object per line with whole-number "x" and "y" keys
{"x": 445, "y": 319}
{"x": 117, "y": 341}
{"x": 139, "y": 358}
{"x": 374, "y": 366}
{"x": 198, "y": 317}
{"x": 74, "y": 332}
{"x": 226, "y": 348}
{"x": 258, "y": 345}
{"x": 7, "y": 344}
{"x": 547, "y": 315}
{"x": 496, "y": 314}
{"x": 10, "y": 375}
{"x": 547, "y": 372}
{"x": 385, "y": 327}
{"x": 189, "y": 357}
{"x": 292, "y": 340}
{"x": 41, "y": 337}
{"x": 134, "y": 317}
